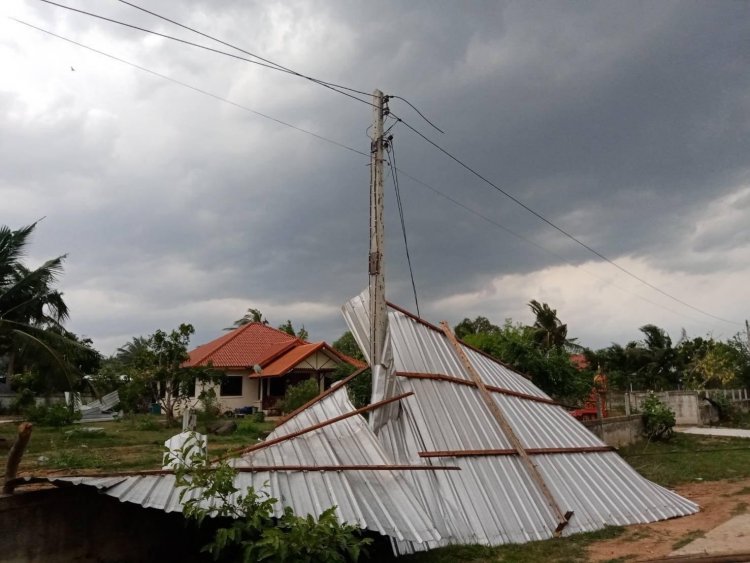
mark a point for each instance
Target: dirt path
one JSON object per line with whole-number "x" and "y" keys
{"x": 719, "y": 501}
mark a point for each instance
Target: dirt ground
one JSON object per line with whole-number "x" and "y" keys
{"x": 719, "y": 501}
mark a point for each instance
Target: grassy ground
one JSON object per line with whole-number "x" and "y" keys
{"x": 571, "y": 549}
{"x": 133, "y": 443}
{"x": 685, "y": 458}
{"x": 137, "y": 443}
{"x": 689, "y": 457}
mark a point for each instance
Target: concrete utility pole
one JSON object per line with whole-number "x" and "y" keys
{"x": 378, "y": 312}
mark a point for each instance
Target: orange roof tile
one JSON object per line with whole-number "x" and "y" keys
{"x": 250, "y": 344}
{"x": 290, "y": 358}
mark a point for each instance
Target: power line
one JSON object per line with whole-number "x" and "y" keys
{"x": 196, "y": 89}
{"x": 266, "y": 63}
{"x": 391, "y": 152}
{"x": 277, "y": 66}
{"x": 351, "y": 149}
{"x": 206, "y": 48}
{"x": 557, "y": 228}
{"x": 537, "y": 245}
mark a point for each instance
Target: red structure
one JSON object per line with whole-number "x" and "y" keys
{"x": 597, "y": 400}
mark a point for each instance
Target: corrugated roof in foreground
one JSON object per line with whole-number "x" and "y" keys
{"x": 379, "y": 500}
{"x": 494, "y": 499}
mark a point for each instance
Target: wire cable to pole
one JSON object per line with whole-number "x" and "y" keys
{"x": 391, "y": 152}
{"x": 361, "y": 153}
{"x": 275, "y": 65}
{"x": 557, "y": 228}
{"x": 204, "y": 47}
{"x": 196, "y": 89}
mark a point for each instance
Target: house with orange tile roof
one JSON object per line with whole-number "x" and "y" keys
{"x": 260, "y": 362}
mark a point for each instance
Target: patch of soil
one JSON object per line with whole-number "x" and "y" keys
{"x": 717, "y": 499}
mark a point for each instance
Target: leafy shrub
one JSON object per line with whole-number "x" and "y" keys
{"x": 258, "y": 417}
{"x": 247, "y": 427}
{"x": 209, "y": 407}
{"x": 52, "y": 415}
{"x": 727, "y": 411}
{"x": 254, "y": 534}
{"x": 25, "y": 399}
{"x": 298, "y": 395}
{"x": 146, "y": 423}
{"x": 658, "y": 418}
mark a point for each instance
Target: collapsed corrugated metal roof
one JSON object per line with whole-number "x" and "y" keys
{"x": 529, "y": 469}
{"x": 331, "y": 459}
{"x": 459, "y": 449}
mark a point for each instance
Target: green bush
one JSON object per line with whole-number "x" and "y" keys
{"x": 258, "y": 417}
{"x": 251, "y": 532}
{"x": 727, "y": 411}
{"x": 298, "y": 395}
{"x": 52, "y": 415}
{"x": 247, "y": 427}
{"x": 148, "y": 423}
{"x": 25, "y": 399}
{"x": 658, "y": 419}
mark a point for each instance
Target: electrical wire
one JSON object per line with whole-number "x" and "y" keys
{"x": 206, "y": 48}
{"x": 538, "y": 246}
{"x": 348, "y": 148}
{"x": 196, "y": 89}
{"x": 412, "y": 107}
{"x": 391, "y": 152}
{"x": 557, "y": 228}
{"x": 277, "y": 66}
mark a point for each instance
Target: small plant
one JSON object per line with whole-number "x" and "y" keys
{"x": 258, "y": 417}
{"x": 209, "y": 407}
{"x": 52, "y": 415}
{"x": 658, "y": 418}
{"x": 147, "y": 423}
{"x": 727, "y": 412}
{"x": 254, "y": 534}
{"x": 248, "y": 428}
{"x": 298, "y": 395}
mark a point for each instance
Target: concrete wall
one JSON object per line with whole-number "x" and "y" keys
{"x": 689, "y": 407}
{"x": 79, "y": 524}
{"x": 617, "y": 431}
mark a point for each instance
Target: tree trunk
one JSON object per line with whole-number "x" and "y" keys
{"x": 15, "y": 455}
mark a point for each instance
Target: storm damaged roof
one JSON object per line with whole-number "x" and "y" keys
{"x": 458, "y": 448}
{"x": 517, "y": 478}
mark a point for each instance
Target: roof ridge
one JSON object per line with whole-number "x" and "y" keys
{"x": 437, "y": 329}
{"x": 237, "y": 331}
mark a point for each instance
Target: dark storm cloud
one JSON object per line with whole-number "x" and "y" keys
{"x": 623, "y": 123}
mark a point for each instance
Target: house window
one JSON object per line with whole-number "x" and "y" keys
{"x": 231, "y": 386}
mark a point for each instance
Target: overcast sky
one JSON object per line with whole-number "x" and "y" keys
{"x": 624, "y": 123}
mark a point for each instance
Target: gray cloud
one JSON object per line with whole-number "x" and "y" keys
{"x": 627, "y": 124}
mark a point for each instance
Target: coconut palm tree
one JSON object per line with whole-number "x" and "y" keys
{"x": 31, "y": 310}
{"x": 548, "y": 330}
{"x": 252, "y": 316}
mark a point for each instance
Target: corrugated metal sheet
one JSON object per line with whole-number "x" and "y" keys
{"x": 380, "y": 500}
{"x": 494, "y": 499}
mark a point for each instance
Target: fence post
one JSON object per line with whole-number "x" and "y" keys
{"x": 627, "y": 404}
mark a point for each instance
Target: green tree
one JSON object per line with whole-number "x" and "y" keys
{"x": 346, "y": 344}
{"x": 288, "y": 327}
{"x": 480, "y": 325}
{"x": 247, "y": 529}
{"x": 32, "y": 310}
{"x": 550, "y": 369}
{"x": 548, "y": 330}
{"x": 156, "y": 364}
{"x": 251, "y": 316}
